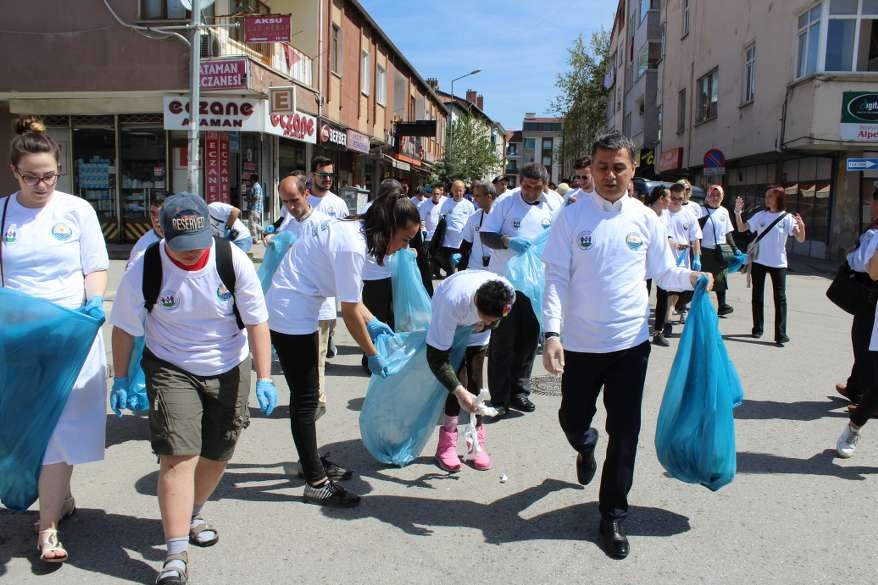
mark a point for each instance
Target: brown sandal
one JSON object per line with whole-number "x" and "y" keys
{"x": 47, "y": 542}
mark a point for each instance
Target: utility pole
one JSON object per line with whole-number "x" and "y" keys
{"x": 194, "y": 169}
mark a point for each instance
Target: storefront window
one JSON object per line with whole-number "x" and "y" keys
{"x": 94, "y": 165}
{"x": 143, "y": 172}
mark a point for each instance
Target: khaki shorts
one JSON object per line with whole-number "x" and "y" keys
{"x": 196, "y": 415}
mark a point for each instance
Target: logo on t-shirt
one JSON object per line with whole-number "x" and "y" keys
{"x": 62, "y": 232}
{"x": 222, "y": 293}
{"x": 516, "y": 223}
{"x": 10, "y": 235}
{"x": 168, "y": 300}
{"x": 546, "y": 222}
{"x": 585, "y": 240}
{"x": 634, "y": 241}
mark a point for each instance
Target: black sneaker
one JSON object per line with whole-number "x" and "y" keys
{"x": 333, "y": 471}
{"x": 667, "y": 329}
{"x": 782, "y": 339}
{"x": 659, "y": 339}
{"x": 330, "y": 494}
{"x": 725, "y": 310}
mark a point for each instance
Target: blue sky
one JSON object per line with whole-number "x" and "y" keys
{"x": 520, "y": 45}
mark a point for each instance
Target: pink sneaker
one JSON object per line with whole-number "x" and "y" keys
{"x": 446, "y": 450}
{"x": 480, "y": 460}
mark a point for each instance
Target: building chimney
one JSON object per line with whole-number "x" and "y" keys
{"x": 530, "y": 115}
{"x": 480, "y": 101}
{"x": 433, "y": 83}
{"x": 471, "y": 96}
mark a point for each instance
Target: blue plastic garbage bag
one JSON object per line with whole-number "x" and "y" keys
{"x": 137, "y": 400}
{"x": 695, "y": 435}
{"x": 527, "y": 273}
{"x": 736, "y": 263}
{"x": 35, "y": 381}
{"x": 274, "y": 253}
{"x": 411, "y": 303}
{"x": 401, "y": 410}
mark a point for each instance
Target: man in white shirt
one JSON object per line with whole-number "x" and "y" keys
{"x": 456, "y": 210}
{"x": 598, "y": 256}
{"x": 429, "y": 212}
{"x": 153, "y": 235}
{"x": 477, "y": 256}
{"x": 328, "y": 203}
{"x": 582, "y": 180}
{"x": 501, "y": 186}
{"x": 509, "y": 230}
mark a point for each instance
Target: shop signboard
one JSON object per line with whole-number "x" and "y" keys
{"x": 224, "y": 73}
{"x": 297, "y": 126}
{"x": 859, "y": 116}
{"x": 267, "y": 28}
{"x": 216, "y": 167}
{"x": 670, "y": 160}
{"x": 217, "y": 114}
{"x": 282, "y": 100}
{"x": 330, "y": 134}
{"x": 358, "y": 142}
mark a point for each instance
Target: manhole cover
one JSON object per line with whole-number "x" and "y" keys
{"x": 546, "y": 385}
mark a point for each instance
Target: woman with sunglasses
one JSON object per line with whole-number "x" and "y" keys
{"x": 471, "y": 297}
{"x": 53, "y": 249}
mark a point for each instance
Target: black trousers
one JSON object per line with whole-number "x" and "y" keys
{"x": 512, "y": 351}
{"x": 861, "y": 372}
{"x": 378, "y": 298}
{"x": 298, "y": 357}
{"x": 779, "y": 286}
{"x": 868, "y": 406}
{"x": 417, "y": 243}
{"x": 661, "y": 309}
{"x": 621, "y": 374}
{"x": 470, "y": 375}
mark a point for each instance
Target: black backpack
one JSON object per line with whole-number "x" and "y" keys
{"x": 152, "y": 274}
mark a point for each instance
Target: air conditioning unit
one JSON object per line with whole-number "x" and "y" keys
{"x": 211, "y": 44}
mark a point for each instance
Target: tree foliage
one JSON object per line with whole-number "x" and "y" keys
{"x": 469, "y": 152}
{"x": 583, "y": 99}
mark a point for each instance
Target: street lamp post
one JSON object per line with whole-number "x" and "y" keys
{"x": 451, "y": 126}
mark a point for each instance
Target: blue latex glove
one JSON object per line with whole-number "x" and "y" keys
{"x": 456, "y": 258}
{"x": 696, "y": 264}
{"x": 520, "y": 245}
{"x": 266, "y": 394}
{"x": 137, "y": 401}
{"x": 378, "y": 365}
{"x": 94, "y": 308}
{"x": 119, "y": 395}
{"x": 269, "y": 229}
{"x": 376, "y": 328}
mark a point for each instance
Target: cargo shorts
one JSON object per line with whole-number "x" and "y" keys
{"x": 196, "y": 415}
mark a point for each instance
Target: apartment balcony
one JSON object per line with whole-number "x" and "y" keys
{"x": 814, "y": 111}
{"x": 283, "y": 58}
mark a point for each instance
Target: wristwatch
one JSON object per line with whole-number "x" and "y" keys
{"x": 550, "y": 334}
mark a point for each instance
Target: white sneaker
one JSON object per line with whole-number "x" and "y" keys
{"x": 847, "y": 442}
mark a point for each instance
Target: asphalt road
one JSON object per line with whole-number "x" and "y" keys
{"x": 794, "y": 514}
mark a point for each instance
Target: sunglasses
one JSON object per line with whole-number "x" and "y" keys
{"x": 322, "y": 175}
{"x": 581, "y": 177}
{"x": 32, "y": 180}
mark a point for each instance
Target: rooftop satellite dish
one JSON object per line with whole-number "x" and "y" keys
{"x": 187, "y": 4}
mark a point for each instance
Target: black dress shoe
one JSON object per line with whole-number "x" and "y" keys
{"x": 782, "y": 339}
{"x": 613, "y": 539}
{"x": 586, "y": 466}
{"x": 725, "y": 310}
{"x": 756, "y": 334}
{"x": 522, "y": 403}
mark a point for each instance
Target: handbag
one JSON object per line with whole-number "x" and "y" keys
{"x": 851, "y": 291}
{"x": 723, "y": 252}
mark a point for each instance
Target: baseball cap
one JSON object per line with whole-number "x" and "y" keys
{"x": 499, "y": 178}
{"x": 185, "y": 219}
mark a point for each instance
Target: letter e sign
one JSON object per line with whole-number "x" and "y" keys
{"x": 283, "y": 100}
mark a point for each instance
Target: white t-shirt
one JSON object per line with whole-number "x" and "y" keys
{"x": 330, "y": 204}
{"x": 456, "y": 215}
{"x": 859, "y": 258}
{"x": 317, "y": 217}
{"x": 454, "y": 305}
{"x": 695, "y": 209}
{"x": 471, "y": 234}
{"x": 47, "y": 251}
{"x": 327, "y": 261}
{"x": 683, "y": 229}
{"x": 430, "y": 215}
{"x": 140, "y": 246}
{"x": 513, "y": 217}
{"x": 192, "y": 324}
{"x": 219, "y": 216}
{"x": 717, "y": 226}
{"x": 503, "y": 195}
{"x": 371, "y": 270}
{"x": 597, "y": 258}
{"x": 773, "y": 247}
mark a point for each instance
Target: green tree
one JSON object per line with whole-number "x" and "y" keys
{"x": 469, "y": 152}
{"x": 583, "y": 99}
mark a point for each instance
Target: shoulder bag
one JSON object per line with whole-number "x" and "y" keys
{"x": 753, "y": 247}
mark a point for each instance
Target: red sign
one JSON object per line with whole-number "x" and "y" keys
{"x": 298, "y": 126}
{"x": 216, "y": 167}
{"x": 267, "y": 28}
{"x": 670, "y": 160}
{"x": 224, "y": 74}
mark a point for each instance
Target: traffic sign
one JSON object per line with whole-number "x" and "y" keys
{"x": 714, "y": 158}
{"x": 862, "y": 164}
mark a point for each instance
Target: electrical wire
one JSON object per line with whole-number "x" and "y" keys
{"x": 140, "y": 29}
